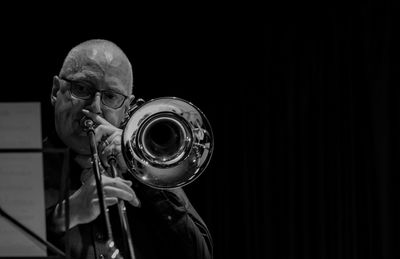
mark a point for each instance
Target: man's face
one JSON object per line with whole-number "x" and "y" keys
{"x": 68, "y": 109}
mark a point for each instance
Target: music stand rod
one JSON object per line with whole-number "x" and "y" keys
{"x": 30, "y": 232}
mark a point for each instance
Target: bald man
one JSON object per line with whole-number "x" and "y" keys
{"x": 96, "y": 81}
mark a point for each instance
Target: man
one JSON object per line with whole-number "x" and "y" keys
{"x": 96, "y": 81}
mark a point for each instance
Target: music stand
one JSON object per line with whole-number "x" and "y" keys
{"x": 64, "y": 194}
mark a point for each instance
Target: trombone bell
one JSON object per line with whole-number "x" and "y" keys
{"x": 167, "y": 142}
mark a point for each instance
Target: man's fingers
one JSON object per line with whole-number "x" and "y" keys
{"x": 104, "y": 132}
{"x": 135, "y": 202}
{"x": 95, "y": 117}
{"x": 108, "y": 200}
{"x": 108, "y": 139}
{"x": 115, "y": 138}
{"x": 121, "y": 188}
{"x": 113, "y": 194}
{"x": 111, "y": 150}
{"x": 111, "y": 191}
{"x": 104, "y": 128}
{"x": 118, "y": 183}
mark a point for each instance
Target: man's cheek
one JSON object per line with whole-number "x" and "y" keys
{"x": 67, "y": 111}
{"x": 115, "y": 118}
{"x": 67, "y": 103}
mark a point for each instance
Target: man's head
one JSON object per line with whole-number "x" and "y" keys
{"x": 91, "y": 67}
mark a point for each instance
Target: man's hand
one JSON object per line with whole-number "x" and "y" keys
{"x": 108, "y": 138}
{"x": 84, "y": 203}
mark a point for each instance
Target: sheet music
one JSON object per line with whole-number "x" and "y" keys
{"x": 22, "y": 196}
{"x": 21, "y": 179}
{"x": 20, "y": 125}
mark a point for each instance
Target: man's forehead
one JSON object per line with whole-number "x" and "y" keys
{"x": 100, "y": 61}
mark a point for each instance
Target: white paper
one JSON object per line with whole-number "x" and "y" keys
{"x": 20, "y": 125}
{"x": 22, "y": 197}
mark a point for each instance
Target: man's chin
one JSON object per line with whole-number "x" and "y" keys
{"x": 81, "y": 150}
{"x": 80, "y": 144}
{"x": 82, "y": 134}
{"x": 74, "y": 137}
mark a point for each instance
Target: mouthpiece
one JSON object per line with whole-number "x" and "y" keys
{"x": 87, "y": 123}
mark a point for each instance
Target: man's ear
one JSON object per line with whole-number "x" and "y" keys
{"x": 54, "y": 90}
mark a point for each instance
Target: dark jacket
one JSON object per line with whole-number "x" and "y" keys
{"x": 165, "y": 226}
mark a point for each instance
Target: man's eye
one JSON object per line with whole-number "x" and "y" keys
{"x": 81, "y": 89}
{"x": 110, "y": 96}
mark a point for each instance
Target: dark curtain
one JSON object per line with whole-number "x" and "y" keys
{"x": 304, "y": 107}
{"x": 306, "y": 143}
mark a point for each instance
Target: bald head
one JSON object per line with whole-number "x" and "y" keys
{"x": 100, "y": 57}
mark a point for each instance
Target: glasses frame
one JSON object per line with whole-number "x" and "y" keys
{"x": 72, "y": 82}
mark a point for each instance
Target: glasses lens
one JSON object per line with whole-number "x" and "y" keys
{"x": 81, "y": 91}
{"x": 112, "y": 99}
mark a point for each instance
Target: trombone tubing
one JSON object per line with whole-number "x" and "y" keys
{"x": 99, "y": 185}
{"x": 122, "y": 216}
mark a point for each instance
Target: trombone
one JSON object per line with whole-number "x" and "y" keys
{"x": 167, "y": 143}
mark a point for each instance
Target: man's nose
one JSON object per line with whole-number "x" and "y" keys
{"x": 95, "y": 104}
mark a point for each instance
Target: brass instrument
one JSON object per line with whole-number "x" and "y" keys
{"x": 167, "y": 143}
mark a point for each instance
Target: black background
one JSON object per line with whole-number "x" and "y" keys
{"x": 303, "y": 103}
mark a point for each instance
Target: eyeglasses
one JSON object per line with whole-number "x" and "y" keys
{"x": 109, "y": 98}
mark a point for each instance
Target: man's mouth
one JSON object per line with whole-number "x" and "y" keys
{"x": 78, "y": 129}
